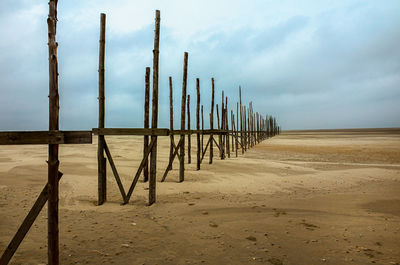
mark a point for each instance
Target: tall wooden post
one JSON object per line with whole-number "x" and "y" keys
{"x": 146, "y": 123}
{"x": 241, "y": 121}
{"x": 183, "y": 103}
{"x": 237, "y": 127}
{"x": 101, "y": 163}
{"x": 154, "y": 113}
{"x": 212, "y": 121}
{"x": 219, "y": 135}
{"x": 171, "y": 122}
{"x": 222, "y": 137}
{"x": 228, "y": 150}
{"x": 202, "y": 129}
{"x": 53, "y": 163}
{"x": 198, "y": 123}
{"x": 233, "y": 130}
{"x": 189, "y": 135}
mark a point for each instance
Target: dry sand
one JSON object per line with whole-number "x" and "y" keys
{"x": 325, "y": 197}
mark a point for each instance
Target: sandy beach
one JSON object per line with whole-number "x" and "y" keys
{"x": 303, "y": 197}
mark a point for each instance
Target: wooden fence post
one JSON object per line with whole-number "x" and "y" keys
{"x": 212, "y": 121}
{"x": 102, "y": 179}
{"x": 171, "y": 123}
{"x": 189, "y": 135}
{"x": 241, "y": 122}
{"x": 228, "y": 151}
{"x": 198, "y": 123}
{"x": 53, "y": 162}
{"x": 154, "y": 113}
{"x": 183, "y": 104}
{"x": 202, "y": 129}
{"x": 146, "y": 123}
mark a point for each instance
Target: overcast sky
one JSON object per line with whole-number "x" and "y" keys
{"x": 312, "y": 64}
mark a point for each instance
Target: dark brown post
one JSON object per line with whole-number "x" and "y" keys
{"x": 183, "y": 103}
{"x": 202, "y": 129}
{"x": 198, "y": 123}
{"x": 101, "y": 163}
{"x": 171, "y": 123}
{"x": 222, "y": 137}
{"x": 228, "y": 150}
{"x": 189, "y": 135}
{"x": 237, "y": 128}
{"x": 53, "y": 163}
{"x": 219, "y": 135}
{"x": 212, "y": 121}
{"x": 146, "y": 123}
{"x": 245, "y": 128}
{"x": 241, "y": 121}
{"x": 154, "y": 112}
{"x": 233, "y": 131}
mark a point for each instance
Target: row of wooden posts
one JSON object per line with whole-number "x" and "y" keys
{"x": 253, "y": 129}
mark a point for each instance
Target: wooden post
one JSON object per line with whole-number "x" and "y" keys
{"x": 199, "y": 149}
{"x": 171, "y": 123}
{"x": 101, "y": 163}
{"x": 212, "y": 121}
{"x": 154, "y": 113}
{"x": 53, "y": 163}
{"x": 233, "y": 131}
{"x": 228, "y": 150}
{"x": 237, "y": 127}
{"x": 189, "y": 135}
{"x": 146, "y": 123}
{"x": 241, "y": 121}
{"x": 219, "y": 135}
{"x": 202, "y": 129}
{"x": 222, "y": 137}
{"x": 183, "y": 103}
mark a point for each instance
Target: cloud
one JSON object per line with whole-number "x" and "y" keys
{"x": 319, "y": 65}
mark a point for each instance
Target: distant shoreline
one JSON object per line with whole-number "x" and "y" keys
{"x": 352, "y": 130}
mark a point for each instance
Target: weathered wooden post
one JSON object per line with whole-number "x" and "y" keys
{"x": 241, "y": 121}
{"x": 183, "y": 103}
{"x": 237, "y": 128}
{"x": 233, "y": 130}
{"x": 228, "y": 150}
{"x": 199, "y": 149}
{"x": 245, "y": 128}
{"x": 53, "y": 163}
{"x": 219, "y": 135}
{"x": 101, "y": 169}
{"x": 171, "y": 124}
{"x": 189, "y": 133}
{"x": 222, "y": 137}
{"x": 154, "y": 114}
{"x": 212, "y": 121}
{"x": 202, "y": 130}
{"x": 146, "y": 123}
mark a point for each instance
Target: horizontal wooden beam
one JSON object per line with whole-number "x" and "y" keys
{"x": 130, "y": 131}
{"x": 45, "y": 137}
{"x": 180, "y": 132}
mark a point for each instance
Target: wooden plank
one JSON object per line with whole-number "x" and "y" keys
{"x": 115, "y": 172}
{"x": 146, "y": 123}
{"x": 154, "y": 113}
{"x": 45, "y": 137}
{"x": 228, "y": 151}
{"x": 183, "y": 104}
{"x": 198, "y": 123}
{"x": 205, "y": 150}
{"x": 131, "y": 131}
{"x": 26, "y": 224}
